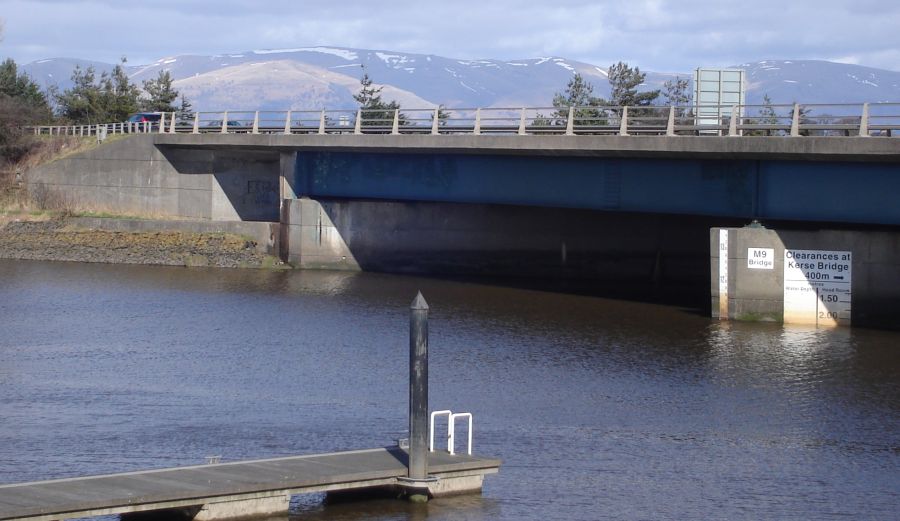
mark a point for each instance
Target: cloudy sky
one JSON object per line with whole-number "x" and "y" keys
{"x": 659, "y": 35}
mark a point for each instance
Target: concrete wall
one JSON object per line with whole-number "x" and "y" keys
{"x": 133, "y": 176}
{"x": 758, "y": 294}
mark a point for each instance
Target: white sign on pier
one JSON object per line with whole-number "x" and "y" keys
{"x": 817, "y": 287}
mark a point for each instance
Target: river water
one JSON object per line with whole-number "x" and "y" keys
{"x": 598, "y": 408}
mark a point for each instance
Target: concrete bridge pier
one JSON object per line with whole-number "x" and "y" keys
{"x": 310, "y": 239}
{"x": 815, "y": 277}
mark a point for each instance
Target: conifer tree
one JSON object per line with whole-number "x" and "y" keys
{"x": 677, "y": 92}
{"x": 624, "y": 81}
{"x": 110, "y": 99}
{"x": 375, "y": 110}
{"x": 578, "y": 93}
{"x": 21, "y": 103}
{"x": 20, "y": 86}
{"x": 161, "y": 95}
{"x": 121, "y": 96}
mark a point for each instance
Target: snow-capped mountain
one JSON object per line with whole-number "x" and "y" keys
{"x": 314, "y": 77}
{"x": 812, "y": 81}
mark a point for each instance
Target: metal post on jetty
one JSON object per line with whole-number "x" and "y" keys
{"x": 416, "y": 483}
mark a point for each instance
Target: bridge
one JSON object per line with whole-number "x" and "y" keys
{"x": 618, "y": 195}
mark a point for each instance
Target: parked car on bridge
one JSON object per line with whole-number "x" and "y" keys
{"x": 218, "y": 124}
{"x": 141, "y": 117}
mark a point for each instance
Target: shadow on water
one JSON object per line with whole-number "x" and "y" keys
{"x": 313, "y": 508}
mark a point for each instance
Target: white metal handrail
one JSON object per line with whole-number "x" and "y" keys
{"x": 435, "y": 414}
{"x": 451, "y": 427}
{"x": 451, "y": 430}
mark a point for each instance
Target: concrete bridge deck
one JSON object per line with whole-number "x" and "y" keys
{"x": 232, "y": 489}
{"x": 699, "y": 147}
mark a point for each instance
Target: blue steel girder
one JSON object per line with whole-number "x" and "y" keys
{"x": 821, "y": 191}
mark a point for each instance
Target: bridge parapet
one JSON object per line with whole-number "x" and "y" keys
{"x": 795, "y": 120}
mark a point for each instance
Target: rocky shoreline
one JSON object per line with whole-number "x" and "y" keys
{"x": 57, "y": 240}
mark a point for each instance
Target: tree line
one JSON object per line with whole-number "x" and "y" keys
{"x": 92, "y": 98}
{"x": 112, "y": 96}
{"x": 107, "y": 97}
{"x": 624, "y": 81}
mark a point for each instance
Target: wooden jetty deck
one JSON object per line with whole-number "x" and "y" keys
{"x": 227, "y": 490}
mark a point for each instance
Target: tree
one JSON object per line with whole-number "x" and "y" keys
{"x": 443, "y": 115}
{"x": 21, "y": 87}
{"x": 803, "y": 118}
{"x": 677, "y": 92}
{"x": 21, "y": 103}
{"x": 623, "y": 81}
{"x": 112, "y": 98}
{"x": 375, "y": 112}
{"x": 765, "y": 116}
{"x": 80, "y": 103}
{"x": 122, "y": 96}
{"x": 160, "y": 94}
{"x": 185, "y": 108}
{"x": 579, "y": 94}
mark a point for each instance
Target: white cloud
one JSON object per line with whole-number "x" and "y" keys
{"x": 662, "y": 35}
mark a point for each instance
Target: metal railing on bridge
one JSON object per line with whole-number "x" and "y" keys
{"x": 793, "y": 120}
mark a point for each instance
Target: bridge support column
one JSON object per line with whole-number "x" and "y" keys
{"x": 309, "y": 238}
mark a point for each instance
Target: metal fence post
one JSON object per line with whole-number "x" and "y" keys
{"x": 670, "y": 124}
{"x": 435, "y": 121}
{"x": 522, "y": 122}
{"x": 162, "y": 123}
{"x": 196, "y": 129}
{"x": 477, "y": 130}
{"x": 395, "y": 128}
{"x": 224, "y": 129}
{"x": 255, "y": 122}
{"x": 172, "y": 126}
{"x": 795, "y": 121}
{"x": 623, "y": 125}
{"x": 418, "y": 388}
{"x": 570, "y": 122}
{"x": 732, "y": 125}
{"x": 287, "y": 123}
{"x": 864, "y": 121}
{"x": 322, "y": 122}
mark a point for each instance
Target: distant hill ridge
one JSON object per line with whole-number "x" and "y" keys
{"x": 314, "y": 77}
